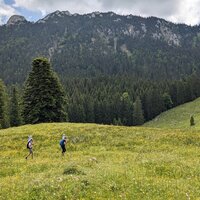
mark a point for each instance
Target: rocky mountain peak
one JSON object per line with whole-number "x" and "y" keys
{"x": 16, "y": 19}
{"x": 57, "y": 13}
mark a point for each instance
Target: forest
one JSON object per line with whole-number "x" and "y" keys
{"x": 114, "y": 69}
{"x": 118, "y": 100}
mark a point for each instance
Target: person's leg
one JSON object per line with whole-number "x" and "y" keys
{"x": 30, "y": 152}
{"x": 63, "y": 150}
{"x": 28, "y": 155}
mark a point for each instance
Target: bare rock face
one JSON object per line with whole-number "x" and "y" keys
{"x": 15, "y": 20}
{"x": 57, "y": 13}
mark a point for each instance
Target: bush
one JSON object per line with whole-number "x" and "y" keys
{"x": 73, "y": 170}
{"x": 192, "y": 123}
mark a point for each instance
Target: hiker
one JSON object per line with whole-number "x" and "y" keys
{"x": 63, "y": 144}
{"x": 30, "y": 146}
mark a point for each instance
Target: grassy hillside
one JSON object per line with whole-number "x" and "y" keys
{"x": 178, "y": 117}
{"x": 102, "y": 162}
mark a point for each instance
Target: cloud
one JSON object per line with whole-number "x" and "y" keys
{"x": 47, "y": 6}
{"x": 5, "y": 11}
{"x": 188, "y": 12}
{"x": 180, "y": 11}
{"x": 144, "y": 7}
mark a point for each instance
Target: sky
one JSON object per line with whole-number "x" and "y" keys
{"x": 178, "y": 11}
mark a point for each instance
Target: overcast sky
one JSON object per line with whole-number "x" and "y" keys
{"x": 179, "y": 11}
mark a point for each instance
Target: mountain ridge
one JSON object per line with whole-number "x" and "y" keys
{"x": 91, "y": 14}
{"x": 100, "y": 44}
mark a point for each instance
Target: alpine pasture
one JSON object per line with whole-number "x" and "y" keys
{"x": 102, "y": 162}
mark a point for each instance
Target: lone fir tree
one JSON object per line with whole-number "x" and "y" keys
{"x": 44, "y": 99}
{"x": 192, "y": 123}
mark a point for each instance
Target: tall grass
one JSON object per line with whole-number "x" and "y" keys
{"x": 102, "y": 162}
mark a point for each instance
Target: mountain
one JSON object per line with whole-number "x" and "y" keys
{"x": 99, "y": 44}
{"x": 16, "y": 20}
{"x": 178, "y": 117}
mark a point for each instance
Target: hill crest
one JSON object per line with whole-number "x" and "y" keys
{"x": 178, "y": 117}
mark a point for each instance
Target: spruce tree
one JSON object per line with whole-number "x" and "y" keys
{"x": 15, "y": 110}
{"x": 89, "y": 109}
{"x": 138, "y": 117}
{"x": 126, "y": 109}
{"x": 4, "y": 118}
{"x": 167, "y": 101}
{"x": 117, "y": 122}
{"x": 44, "y": 99}
{"x": 192, "y": 123}
{"x": 180, "y": 92}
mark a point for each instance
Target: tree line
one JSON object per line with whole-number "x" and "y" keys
{"x": 125, "y": 100}
{"x": 119, "y": 100}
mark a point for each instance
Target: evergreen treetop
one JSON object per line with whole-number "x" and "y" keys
{"x": 44, "y": 99}
{"x": 15, "y": 108}
{"x": 4, "y": 117}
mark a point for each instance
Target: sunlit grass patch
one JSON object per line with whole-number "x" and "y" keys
{"x": 101, "y": 162}
{"x": 179, "y": 117}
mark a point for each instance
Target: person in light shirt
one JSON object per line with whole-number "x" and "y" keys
{"x": 30, "y": 147}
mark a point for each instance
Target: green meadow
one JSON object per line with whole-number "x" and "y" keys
{"x": 178, "y": 117}
{"x": 103, "y": 162}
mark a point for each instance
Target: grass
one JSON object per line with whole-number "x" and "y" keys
{"x": 102, "y": 162}
{"x": 178, "y": 117}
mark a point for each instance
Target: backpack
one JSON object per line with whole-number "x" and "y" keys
{"x": 27, "y": 146}
{"x": 62, "y": 143}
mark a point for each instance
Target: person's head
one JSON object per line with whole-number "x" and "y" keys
{"x": 63, "y": 136}
{"x": 30, "y": 139}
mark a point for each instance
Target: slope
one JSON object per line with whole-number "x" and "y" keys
{"x": 178, "y": 117}
{"x": 102, "y": 162}
{"x": 97, "y": 44}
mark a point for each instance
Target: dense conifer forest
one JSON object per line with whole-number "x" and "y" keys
{"x": 114, "y": 69}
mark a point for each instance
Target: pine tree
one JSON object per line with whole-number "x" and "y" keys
{"x": 154, "y": 104}
{"x": 138, "y": 117}
{"x": 89, "y": 109}
{"x": 126, "y": 109}
{"x": 192, "y": 123}
{"x": 167, "y": 101}
{"x": 76, "y": 108}
{"x": 4, "y": 118}
{"x": 15, "y": 110}
{"x": 180, "y": 92}
{"x": 44, "y": 99}
{"x": 117, "y": 122}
